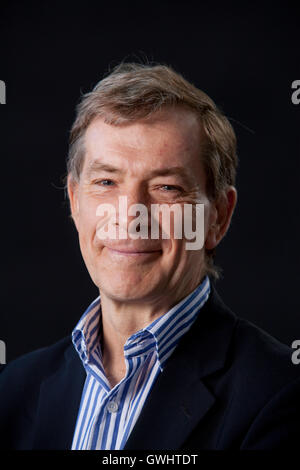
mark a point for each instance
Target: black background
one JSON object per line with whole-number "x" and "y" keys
{"x": 245, "y": 56}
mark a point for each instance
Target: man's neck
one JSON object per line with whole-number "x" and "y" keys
{"x": 119, "y": 322}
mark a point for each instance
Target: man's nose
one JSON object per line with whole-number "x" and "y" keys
{"x": 132, "y": 204}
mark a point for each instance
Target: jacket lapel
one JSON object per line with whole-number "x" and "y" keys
{"x": 59, "y": 402}
{"x": 179, "y": 399}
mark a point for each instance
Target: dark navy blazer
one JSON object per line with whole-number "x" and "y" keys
{"x": 228, "y": 385}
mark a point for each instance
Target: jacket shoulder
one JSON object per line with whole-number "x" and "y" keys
{"x": 262, "y": 353}
{"x": 20, "y": 384}
{"x": 258, "y": 367}
{"x": 255, "y": 360}
{"x": 34, "y": 366}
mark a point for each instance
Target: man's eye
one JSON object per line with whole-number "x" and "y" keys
{"x": 170, "y": 187}
{"x": 105, "y": 182}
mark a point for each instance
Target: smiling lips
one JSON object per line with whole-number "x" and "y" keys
{"x": 133, "y": 251}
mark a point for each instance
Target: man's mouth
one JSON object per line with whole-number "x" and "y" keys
{"x": 133, "y": 252}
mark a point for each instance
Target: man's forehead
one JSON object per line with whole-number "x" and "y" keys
{"x": 160, "y": 143}
{"x": 179, "y": 128}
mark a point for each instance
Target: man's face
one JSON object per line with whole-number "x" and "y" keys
{"x": 150, "y": 162}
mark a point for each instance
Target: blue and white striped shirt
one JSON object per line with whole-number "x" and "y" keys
{"x": 107, "y": 416}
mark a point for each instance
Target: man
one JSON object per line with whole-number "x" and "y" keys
{"x": 157, "y": 361}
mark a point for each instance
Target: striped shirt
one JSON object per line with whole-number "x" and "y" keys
{"x": 107, "y": 415}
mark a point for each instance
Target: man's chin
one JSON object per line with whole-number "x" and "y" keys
{"x": 133, "y": 291}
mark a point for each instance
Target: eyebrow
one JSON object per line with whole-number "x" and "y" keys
{"x": 97, "y": 166}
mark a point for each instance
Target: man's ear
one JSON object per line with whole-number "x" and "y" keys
{"x": 220, "y": 221}
{"x": 72, "y": 187}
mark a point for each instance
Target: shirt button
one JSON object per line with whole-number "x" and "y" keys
{"x": 112, "y": 406}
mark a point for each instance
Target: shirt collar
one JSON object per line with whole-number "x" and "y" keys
{"x": 163, "y": 334}
{"x": 86, "y": 332}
